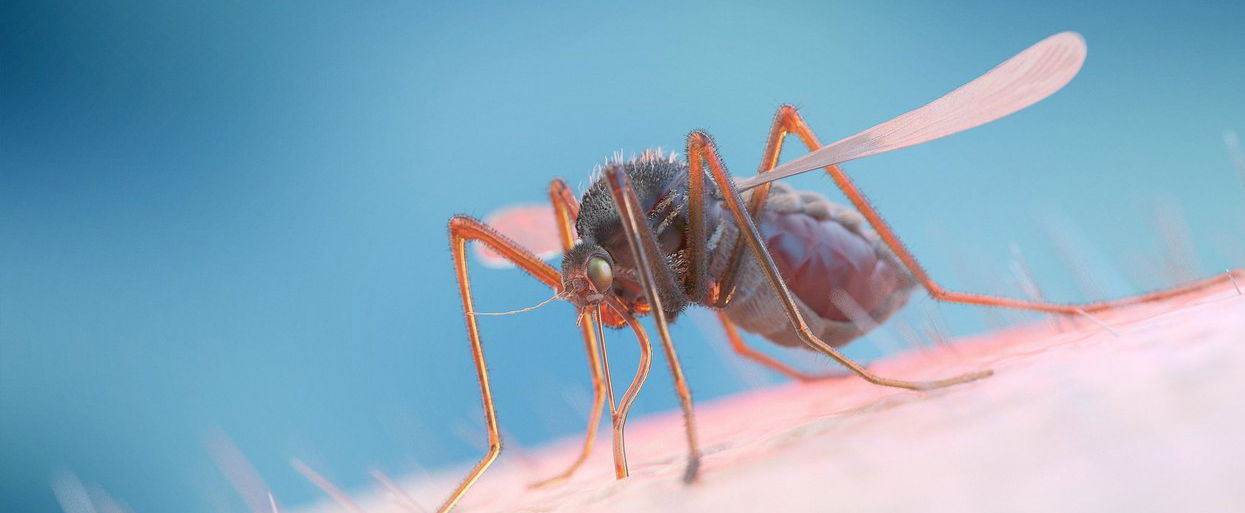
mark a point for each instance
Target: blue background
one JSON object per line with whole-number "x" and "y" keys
{"x": 231, "y": 217}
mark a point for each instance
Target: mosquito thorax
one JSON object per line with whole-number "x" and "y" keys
{"x": 652, "y": 174}
{"x": 659, "y": 182}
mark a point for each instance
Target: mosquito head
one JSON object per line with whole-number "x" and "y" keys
{"x": 587, "y": 274}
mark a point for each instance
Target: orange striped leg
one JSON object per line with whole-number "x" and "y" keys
{"x": 793, "y": 123}
{"x": 700, "y": 152}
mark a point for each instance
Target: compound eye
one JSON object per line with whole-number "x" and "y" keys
{"x": 601, "y": 274}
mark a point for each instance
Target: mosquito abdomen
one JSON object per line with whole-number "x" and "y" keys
{"x": 845, "y": 279}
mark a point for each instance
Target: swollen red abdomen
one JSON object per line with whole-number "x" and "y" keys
{"x": 819, "y": 257}
{"x": 844, "y": 278}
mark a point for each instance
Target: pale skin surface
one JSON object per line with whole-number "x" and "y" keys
{"x": 1075, "y": 419}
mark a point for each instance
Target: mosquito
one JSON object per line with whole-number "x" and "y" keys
{"x": 656, "y": 234}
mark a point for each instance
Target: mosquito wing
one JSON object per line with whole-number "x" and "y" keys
{"x": 1017, "y": 83}
{"x": 532, "y": 226}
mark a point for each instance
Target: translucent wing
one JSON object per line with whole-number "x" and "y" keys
{"x": 532, "y": 226}
{"x": 1017, "y": 83}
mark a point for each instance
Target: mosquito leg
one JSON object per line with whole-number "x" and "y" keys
{"x": 941, "y": 294}
{"x": 696, "y": 239}
{"x": 462, "y": 230}
{"x": 778, "y": 132}
{"x": 698, "y": 255}
{"x": 737, "y": 344}
{"x": 594, "y": 416}
{"x": 565, "y": 209}
{"x": 641, "y": 375}
{"x": 645, "y": 252}
{"x": 749, "y": 232}
{"x": 795, "y": 124}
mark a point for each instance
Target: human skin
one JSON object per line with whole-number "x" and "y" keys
{"x": 1141, "y": 415}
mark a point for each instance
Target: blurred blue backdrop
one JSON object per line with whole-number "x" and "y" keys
{"x": 231, "y": 217}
